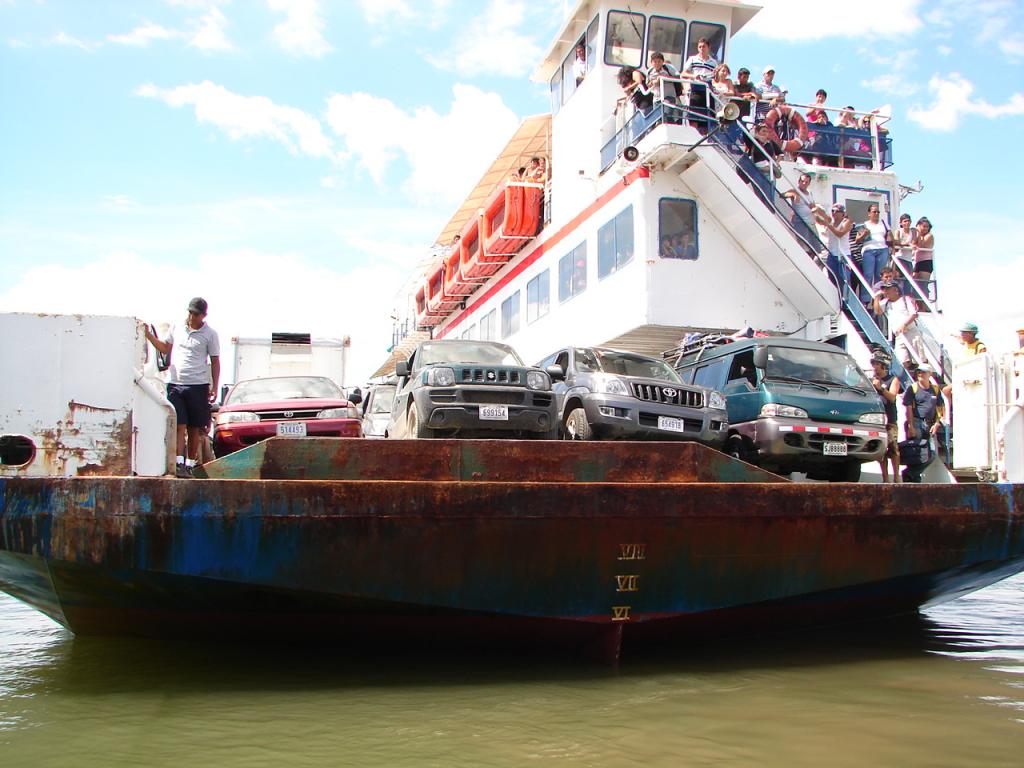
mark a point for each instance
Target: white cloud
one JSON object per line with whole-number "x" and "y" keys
{"x": 893, "y": 81}
{"x": 16, "y": 43}
{"x": 492, "y": 44}
{"x": 301, "y": 33}
{"x": 1013, "y": 47}
{"x": 238, "y": 284}
{"x": 953, "y": 101}
{"x": 62, "y": 38}
{"x": 447, "y": 154}
{"x": 390, "y": 11}
{"x": 210, "y": 34}
{"x": 247, "y": 116}
{"x": 793, "y": 20}
{"x": 143, "y": 35}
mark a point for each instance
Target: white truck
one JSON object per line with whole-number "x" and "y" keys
{"x": 291, "y": 354}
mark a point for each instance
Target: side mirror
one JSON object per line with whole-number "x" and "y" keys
{"x": 761, "y": 358}
{"x": 556, "y": 372}
{"x": 402, "y": 369}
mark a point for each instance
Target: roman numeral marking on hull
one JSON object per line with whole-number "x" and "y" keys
{"x": 632, "y": 551}
{"x": 627, "y": 583}
{"x": 620, "y": 613}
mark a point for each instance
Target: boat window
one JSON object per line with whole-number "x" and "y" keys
{"x": 569, "y": 76}
{"x": 488, "y": 329}
{"x": 16, "y": 450}
{"x": 470, "y": 333}
{"x": 510, "y": 315}
{"x": 572, "y": 272}
{"x": 615, "y": 243}
{"x": 669, "y": 37}
{"x": 625, "y": 39}
{"x": 556, "y": 91}
{"x": 710, "y": 375}
{"x": 677, "y": 229}
{"x": 715, "y": 34}
{"x": 537, "y": 292}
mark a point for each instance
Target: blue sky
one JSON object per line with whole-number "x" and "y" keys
{"x": 292, "y": 160}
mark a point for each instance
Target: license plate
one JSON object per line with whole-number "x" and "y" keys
{"x": 291, "y": 429}
{"x": 833, "y": 448}
{"x": 669, "y": 423}
{"x": 494, "y": 413}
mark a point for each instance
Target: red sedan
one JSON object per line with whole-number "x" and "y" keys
{"x": 288, "y": 406}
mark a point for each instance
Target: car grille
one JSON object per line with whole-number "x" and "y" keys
{"x": 655, "y": 393}
{"x": 490, "y": 376}
{"x": 498, "y": 398}
{"x": 288, "y": 415}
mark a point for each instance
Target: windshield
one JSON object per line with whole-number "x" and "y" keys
{"x": 624, "y": 364}
{"x": 485, "y": 352}
{"x": 382, "y": 399}
{"x": 835, "y": 368}
{"x": 284, "y": 388}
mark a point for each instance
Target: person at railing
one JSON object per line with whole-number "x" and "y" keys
{"x": 788, "y": 125}
{"x": 699, "y": 70}
{"x": 743, "y": 93}
{"x": 804, "y": 204}
{"x": 925, "y": 410}
{"x": 635, "y": 90}
{"x": 888, "y": 276}
{"x": 875, "y": 237}
{"x": 904, "y": 237}
{"x": 901, "y": 314}
{"x": 888, "y": 388}
{"x": 659, "y": 68}
{"x": 971, "y": 343}
{"x": 519, "y": 175}
{"x": 721, "y": 83}
{"x": 838, "y": 241}
{"x": 846, "y": 118}
{"x": 924, "y": 253}
{"x": 815, "y": 113}
{"x": 537, "y": 171}
{"x": 765, "y": 150}
{"x": 767, "y": 91}
{"x": 820, "y": 144}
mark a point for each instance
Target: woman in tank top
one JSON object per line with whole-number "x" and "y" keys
{"x": 905, "y": 236}
{"x": 924, "y": 250}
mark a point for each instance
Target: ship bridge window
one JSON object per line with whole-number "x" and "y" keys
{"x": 572, "y": 272}
{"x": 715, "y": 35}
{"x": 537, "y": 292}
{"x": 677, "y": 229}
{"x": 510, "y": 315}
{"x": 470, "y": 333}
{"x": 574, "y": 70}
{"x": 615, "y": 243}
{"x": 669, "y": 37}
{"x": 624, "y": 41}
{"x": 488, "y": 327}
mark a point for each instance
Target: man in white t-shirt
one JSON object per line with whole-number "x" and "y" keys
{"x": 191, "y": 386}
{"x": 901, "y": 313}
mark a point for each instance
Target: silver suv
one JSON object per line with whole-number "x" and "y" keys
{"x": 611, "y": 394}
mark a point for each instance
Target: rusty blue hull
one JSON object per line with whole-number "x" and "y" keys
{"x": 588, "y": 545}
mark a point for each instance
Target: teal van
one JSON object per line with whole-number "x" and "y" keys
{"x": 793, "y": 405}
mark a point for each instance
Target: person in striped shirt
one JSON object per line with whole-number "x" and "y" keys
{"x": 699, "y": 69}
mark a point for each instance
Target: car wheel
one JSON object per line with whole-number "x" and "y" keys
{"x": 577, "y": 427}
{"x": 415, "y": 429}
{"x": 734, "y": 447}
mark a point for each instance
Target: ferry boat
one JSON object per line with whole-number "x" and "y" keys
{"x": 593, "y": 546}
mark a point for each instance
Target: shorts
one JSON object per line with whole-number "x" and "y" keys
{"x": 924, "y": 266}
{"x": 191, "y": 404}
{"x": 893, "y": 449}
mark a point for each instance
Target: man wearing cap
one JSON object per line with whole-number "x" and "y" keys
{"x": 901, "y": 316}
{"x": 191, "y": 387}
{"x": 767, "y": 92}
{"x": 888, "y": 388}
{"x": 925, "y": 409}
{"x": 969, "y": 338}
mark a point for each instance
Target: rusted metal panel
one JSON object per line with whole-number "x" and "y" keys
{"x": 406, "y": 551}
{"x": 484, "y": 460}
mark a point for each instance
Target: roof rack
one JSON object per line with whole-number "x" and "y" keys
{"x": 699, "y": 342}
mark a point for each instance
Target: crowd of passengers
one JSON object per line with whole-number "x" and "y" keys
{"x": 780, "y": 127}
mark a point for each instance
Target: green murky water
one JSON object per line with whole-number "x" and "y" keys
{"x": 945, "y": 690}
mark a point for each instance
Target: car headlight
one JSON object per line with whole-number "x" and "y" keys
{"x": 440, "y": 377}
{"x": 872, "y": 418}
{"x": 716, "y": 401}
{"x": 348, "y": 412}
{"x": 231, "y": 417}
{"x": 538, "y": 380}
{"x": 609, "y": 385}
{"x": 777, "y": 409}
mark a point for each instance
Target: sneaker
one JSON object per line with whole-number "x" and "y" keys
{"x": 183, "y": 471}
